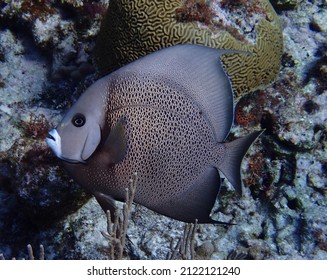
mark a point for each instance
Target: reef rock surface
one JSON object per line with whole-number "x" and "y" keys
{"x": 45, "y": 64}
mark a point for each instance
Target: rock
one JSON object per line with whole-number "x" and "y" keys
{"x": 282, "y": 213}
{"x": 205, "y": 250}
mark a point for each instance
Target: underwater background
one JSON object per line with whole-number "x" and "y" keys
{"x": 49, "y": 54}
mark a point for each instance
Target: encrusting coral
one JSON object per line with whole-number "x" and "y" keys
{"x": 134, "y": 28}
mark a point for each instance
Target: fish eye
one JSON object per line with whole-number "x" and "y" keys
{"x": 78, "y": 120}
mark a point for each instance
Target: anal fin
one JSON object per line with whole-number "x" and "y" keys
{"x": 106, "y": 202}
{"x": 197, "y": 201}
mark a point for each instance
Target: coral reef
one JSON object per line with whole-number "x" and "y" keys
{"x": 132, "y": 29}
{"x": 54, "y": 26}
{"x": 282, "y": 213}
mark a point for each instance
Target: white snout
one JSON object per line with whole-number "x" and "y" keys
{"x": 54, "y": 142}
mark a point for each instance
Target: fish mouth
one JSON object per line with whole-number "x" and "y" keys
{"x": 50, "y": 137}
{"x": 53, "y": 140}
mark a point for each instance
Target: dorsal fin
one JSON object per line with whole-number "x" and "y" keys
{"x": 199, "y": 70}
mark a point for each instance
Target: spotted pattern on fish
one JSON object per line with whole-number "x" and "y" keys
{"x": 168, "y": 125}
{"x": 164, "y": 116}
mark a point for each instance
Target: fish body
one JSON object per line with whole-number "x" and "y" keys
{"x": 164, "y": 116}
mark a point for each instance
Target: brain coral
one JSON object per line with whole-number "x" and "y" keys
{"x": 134, "y": 28}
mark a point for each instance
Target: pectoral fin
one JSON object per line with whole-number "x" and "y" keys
{"x": 116, "y": 144}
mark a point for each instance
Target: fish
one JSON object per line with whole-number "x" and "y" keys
{"x": 166, "y": 117}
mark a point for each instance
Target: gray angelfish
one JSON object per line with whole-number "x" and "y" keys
{"x": 164, "y": 116}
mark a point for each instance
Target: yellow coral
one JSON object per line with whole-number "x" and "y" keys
{"x": 134, "y": 28}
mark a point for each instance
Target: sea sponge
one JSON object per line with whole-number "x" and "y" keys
{"x": 134, "y": 28}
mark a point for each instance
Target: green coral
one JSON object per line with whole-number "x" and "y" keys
{"x": 134, "y": 28}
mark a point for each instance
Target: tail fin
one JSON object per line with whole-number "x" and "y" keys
{"x": 235, "y": 151}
